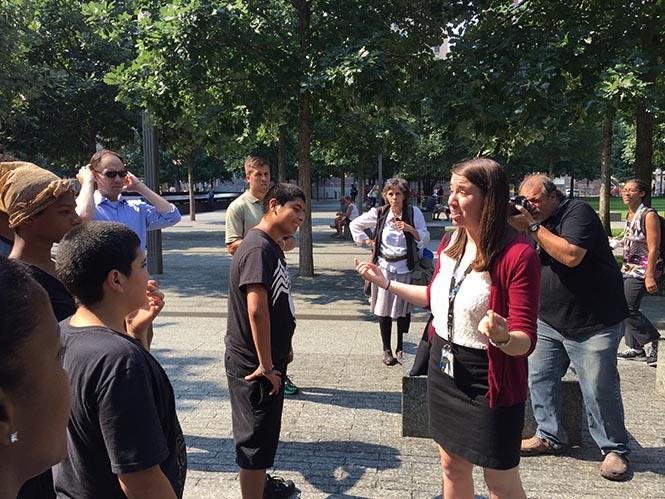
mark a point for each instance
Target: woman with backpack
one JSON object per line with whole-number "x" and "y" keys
{"x": 642, "y": 267}
{"x": 399, "y": 235}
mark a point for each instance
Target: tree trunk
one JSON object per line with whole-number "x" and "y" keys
{"x": 342, "y": 183}
{"x": 304, "y": 179}
{"x": 304, "y": 136}
{"x": 361, "y": 192}
{"x": 572, "y": 186}
{"x": 550, "y": 167}
{"x": 190, "y": 181}
{"x": 605, "y": 173}
{"x": 281, "y": 154}
{"x": 644, "y": 146}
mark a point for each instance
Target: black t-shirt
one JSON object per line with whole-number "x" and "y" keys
{"x": 258, "y": 260}
{"x": 123, "y": 416}
{"x": 61, "y": 300}
{"x": 588, "y": 297}
{"x": 63, "y": 304}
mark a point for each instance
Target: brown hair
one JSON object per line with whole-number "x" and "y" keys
{"x": 489, "y": 177}
{"x": 255, "y": 162}
{"x": 97, "y": 157}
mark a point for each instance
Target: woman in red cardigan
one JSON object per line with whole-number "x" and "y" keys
{"x": 484, "y": 298}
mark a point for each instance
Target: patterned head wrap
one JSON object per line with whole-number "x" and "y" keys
{"x": 26, "y": 189}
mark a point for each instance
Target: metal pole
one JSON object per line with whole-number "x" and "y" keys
{"x": 151, "y": 171}
{"x": 380, "y": 170}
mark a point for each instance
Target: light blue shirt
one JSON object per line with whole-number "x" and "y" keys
{"x": 135, "y": 214}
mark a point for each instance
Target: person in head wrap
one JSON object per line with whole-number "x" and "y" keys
{"x": 6, "y": 234}
{"x": 39, "y": 208}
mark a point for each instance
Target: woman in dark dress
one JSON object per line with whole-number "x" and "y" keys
{"x": 484, "y": 299}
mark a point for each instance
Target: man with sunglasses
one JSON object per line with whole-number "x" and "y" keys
{"x": 107, "y": 171}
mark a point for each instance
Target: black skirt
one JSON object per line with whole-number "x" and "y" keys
{"x": 461, "y": 420}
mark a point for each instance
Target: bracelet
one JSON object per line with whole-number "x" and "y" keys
{"x": 501, "y": 344}
{"x": 388, "y": 286}
{"x": 265, "y": 371}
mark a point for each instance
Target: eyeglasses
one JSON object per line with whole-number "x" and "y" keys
{"x": 114, "y": 174}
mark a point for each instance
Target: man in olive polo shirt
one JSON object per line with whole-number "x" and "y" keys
{"x": 247, "y": 210}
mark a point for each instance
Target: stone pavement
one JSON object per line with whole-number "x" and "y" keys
{"x": 341, "y": 434}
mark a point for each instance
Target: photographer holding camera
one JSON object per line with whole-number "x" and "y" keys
{"x": 582, "y": 307}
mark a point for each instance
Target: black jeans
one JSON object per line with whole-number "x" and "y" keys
{"x": 639, "y": 330}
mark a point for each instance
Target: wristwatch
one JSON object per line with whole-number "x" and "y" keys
{"x": 533, "y": 228}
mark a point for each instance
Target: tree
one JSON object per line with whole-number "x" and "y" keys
{"x": 69, "y": 108}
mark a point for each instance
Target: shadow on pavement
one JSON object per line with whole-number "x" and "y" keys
{"x": 184, "y": 373}
{"x": 328, "y": 288}
{"x": 389, "y": 402}
{"x": 333, "y": 467}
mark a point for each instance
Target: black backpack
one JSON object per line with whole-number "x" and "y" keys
{"x": 661, "y": 251}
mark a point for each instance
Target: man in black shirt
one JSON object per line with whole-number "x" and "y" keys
{"x": 582, "y": 308}
{"x": 261, "y": 321}
{"x": 123, "y": 437}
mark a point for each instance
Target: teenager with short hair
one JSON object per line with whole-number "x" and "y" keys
{"x": 261, "y": 322}
{"x": 34, "y": 390}
{"x": 124, "y": 439}
{"x": 246, "y": 211}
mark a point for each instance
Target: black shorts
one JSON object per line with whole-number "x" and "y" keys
{"x": 256, "y": 418}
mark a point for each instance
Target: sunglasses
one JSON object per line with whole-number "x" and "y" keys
{"x": 112, "y": 174}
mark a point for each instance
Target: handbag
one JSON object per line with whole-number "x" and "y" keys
{"x": 423, "y": 269}
{"x": 422, "y": 352}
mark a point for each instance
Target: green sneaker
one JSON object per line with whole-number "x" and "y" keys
{"x": 289, "y": 387}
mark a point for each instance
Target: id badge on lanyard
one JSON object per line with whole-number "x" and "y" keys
{"x": 447, "y": 362}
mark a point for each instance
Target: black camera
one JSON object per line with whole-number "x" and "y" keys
{"x": 521, "y": 201}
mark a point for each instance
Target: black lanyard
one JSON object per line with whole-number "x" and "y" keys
{"x": 455, "y": 285}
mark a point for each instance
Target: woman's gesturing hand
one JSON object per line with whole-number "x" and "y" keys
{"x": 371, "y": 273}
{"x": 494, "y": 327}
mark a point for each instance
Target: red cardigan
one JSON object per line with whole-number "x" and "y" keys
{"x": 515, "y": 294}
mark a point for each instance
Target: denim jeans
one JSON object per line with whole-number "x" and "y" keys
{"x": 594, "y": 358}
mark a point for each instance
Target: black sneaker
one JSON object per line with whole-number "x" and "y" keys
{"x": 632, "y": 354}
{"x": 278, "y": 488}
{"x": 652, "y": 359}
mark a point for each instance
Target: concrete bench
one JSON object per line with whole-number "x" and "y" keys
{"x": 346, "y": 232}
{"x": 415, "y": 418}
{"x": 572, "y": 413}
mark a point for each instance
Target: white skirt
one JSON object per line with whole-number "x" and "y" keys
{"x": 383, "y": 303}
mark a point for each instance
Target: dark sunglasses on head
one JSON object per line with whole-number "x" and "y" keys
{"x": 112, "y": 174}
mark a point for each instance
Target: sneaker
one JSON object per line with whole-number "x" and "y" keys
{"x": 614, "y": 467}
{"x": 388, "y": 358}
{"x": 289, "y": 387}
{"x": 652, "y": 359}
{"x": 536, "y": 446}
{"x": 633, "y": 354}
{"x": 278, "y": 488}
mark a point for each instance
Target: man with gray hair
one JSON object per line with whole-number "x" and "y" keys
{"x": 582, "y": 308}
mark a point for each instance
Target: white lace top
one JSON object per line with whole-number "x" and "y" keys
{"x": 471, "y": 303}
